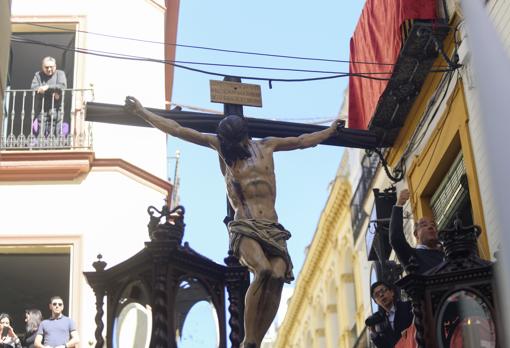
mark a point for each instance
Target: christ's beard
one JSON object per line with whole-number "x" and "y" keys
{"x": 234, "y": 152}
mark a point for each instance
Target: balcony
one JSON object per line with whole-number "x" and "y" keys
{"x": 53, "y": 122}
{"x": 369, "y": 166}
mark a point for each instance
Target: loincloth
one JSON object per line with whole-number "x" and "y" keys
{"x": 271, "y": 236}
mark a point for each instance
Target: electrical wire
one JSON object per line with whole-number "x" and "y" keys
{"x": 210, "y": 48}
{"x": 435, "y": 146}
{"x": 115, "y": 55}
{"x": 400, "y": 168}
{"x": 416, "y": 139}
{"x": 137, "y": 58}
{"x": 210, "y": 64}
{"x": 415, "y": 142}
{"x": 398, "y": 172}
{"x": 179, "y": 64}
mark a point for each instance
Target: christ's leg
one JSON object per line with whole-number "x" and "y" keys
{"x": 262, "y": 297}
{"x": 272, "y": 294}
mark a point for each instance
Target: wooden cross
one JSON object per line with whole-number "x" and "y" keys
{"x": 207, "y": 123}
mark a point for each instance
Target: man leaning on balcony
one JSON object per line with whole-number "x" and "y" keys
{"x": 48, "y": 84}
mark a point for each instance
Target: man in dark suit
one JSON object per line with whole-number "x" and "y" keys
{"x": 393, "y": 317}
{"x": 427, "y": 252}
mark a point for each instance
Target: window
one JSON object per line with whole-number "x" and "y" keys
{"x": 25, "y": 61}
{"x": 451, "y": 198}
{"x": 369, "y": 166}
{"x": 443, "y": 177}
{"x": 30, "y": 120}
{"x": 369, "y": 236}
{"x": 30, "y": 276}
{"x": 375, "y": 275}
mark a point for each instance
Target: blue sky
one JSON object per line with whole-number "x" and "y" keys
{"x": 319, "y": 29}
{"x": 297, "y": 28}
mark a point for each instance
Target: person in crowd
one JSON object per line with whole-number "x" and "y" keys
{"x": 393, "y": 317}
{"x": 428, "y": 252}
{"x": 58, "y": 331}
{"x": 8, "y": 339}
{"x": 48, "y": 84}
{"x": 256, "y": 236}
{"x": 33, "y": 318}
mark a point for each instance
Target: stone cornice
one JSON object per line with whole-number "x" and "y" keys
{"x": 71, "y": 166}
{"x": 40, "y": 166}
{"x": 133, "y": 171}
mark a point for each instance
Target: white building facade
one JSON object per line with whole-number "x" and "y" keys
{"x": 64, "y": 202}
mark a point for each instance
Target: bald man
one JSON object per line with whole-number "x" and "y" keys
{"x": 428, "y": 251}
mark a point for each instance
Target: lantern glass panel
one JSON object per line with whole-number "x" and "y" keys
{"x": 132, "y": 325}
{"x": 195, "y": 316}
{"x": 465, "y": 320}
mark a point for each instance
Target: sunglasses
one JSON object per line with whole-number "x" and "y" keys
{"x": 55, "y": 304}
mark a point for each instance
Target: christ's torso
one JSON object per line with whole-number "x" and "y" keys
{"x": 251, "y": 184}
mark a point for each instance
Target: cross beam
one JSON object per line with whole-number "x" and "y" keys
{"x": 207, "y": 123}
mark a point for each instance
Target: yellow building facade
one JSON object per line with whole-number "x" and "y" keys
{"x": 323, "y": 302}
{"x": 441, "y": 153}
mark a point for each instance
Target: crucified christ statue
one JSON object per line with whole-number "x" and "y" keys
{"x": 256, "y": 237}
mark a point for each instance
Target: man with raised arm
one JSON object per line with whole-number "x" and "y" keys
{"x": 256, "y": 237}
{"x": 428, "y": 252}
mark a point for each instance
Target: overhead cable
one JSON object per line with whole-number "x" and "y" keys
{"x": 210, "y": 48}
{"x": 180, "y": 65}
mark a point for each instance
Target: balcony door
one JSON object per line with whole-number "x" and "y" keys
{"x": 27, "y": 51}
{"x": 26, "y": 56}
{"x": 30, "y": 275}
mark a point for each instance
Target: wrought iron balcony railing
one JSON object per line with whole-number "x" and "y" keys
{"x": 358, "y": 215}
{"x": 53, "y": 120}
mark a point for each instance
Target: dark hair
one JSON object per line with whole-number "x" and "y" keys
{"x": 55, "y": 298}
{"x": 377, "y": 283}
{"x": 33, "y": 320}
{"x": 231, "y": 131}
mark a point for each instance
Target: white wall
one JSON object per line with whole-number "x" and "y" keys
{"x": 499, "y": 11}
{"x": 107, "y": 211}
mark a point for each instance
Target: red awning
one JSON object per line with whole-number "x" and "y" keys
{"x": 378, "y": 39}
